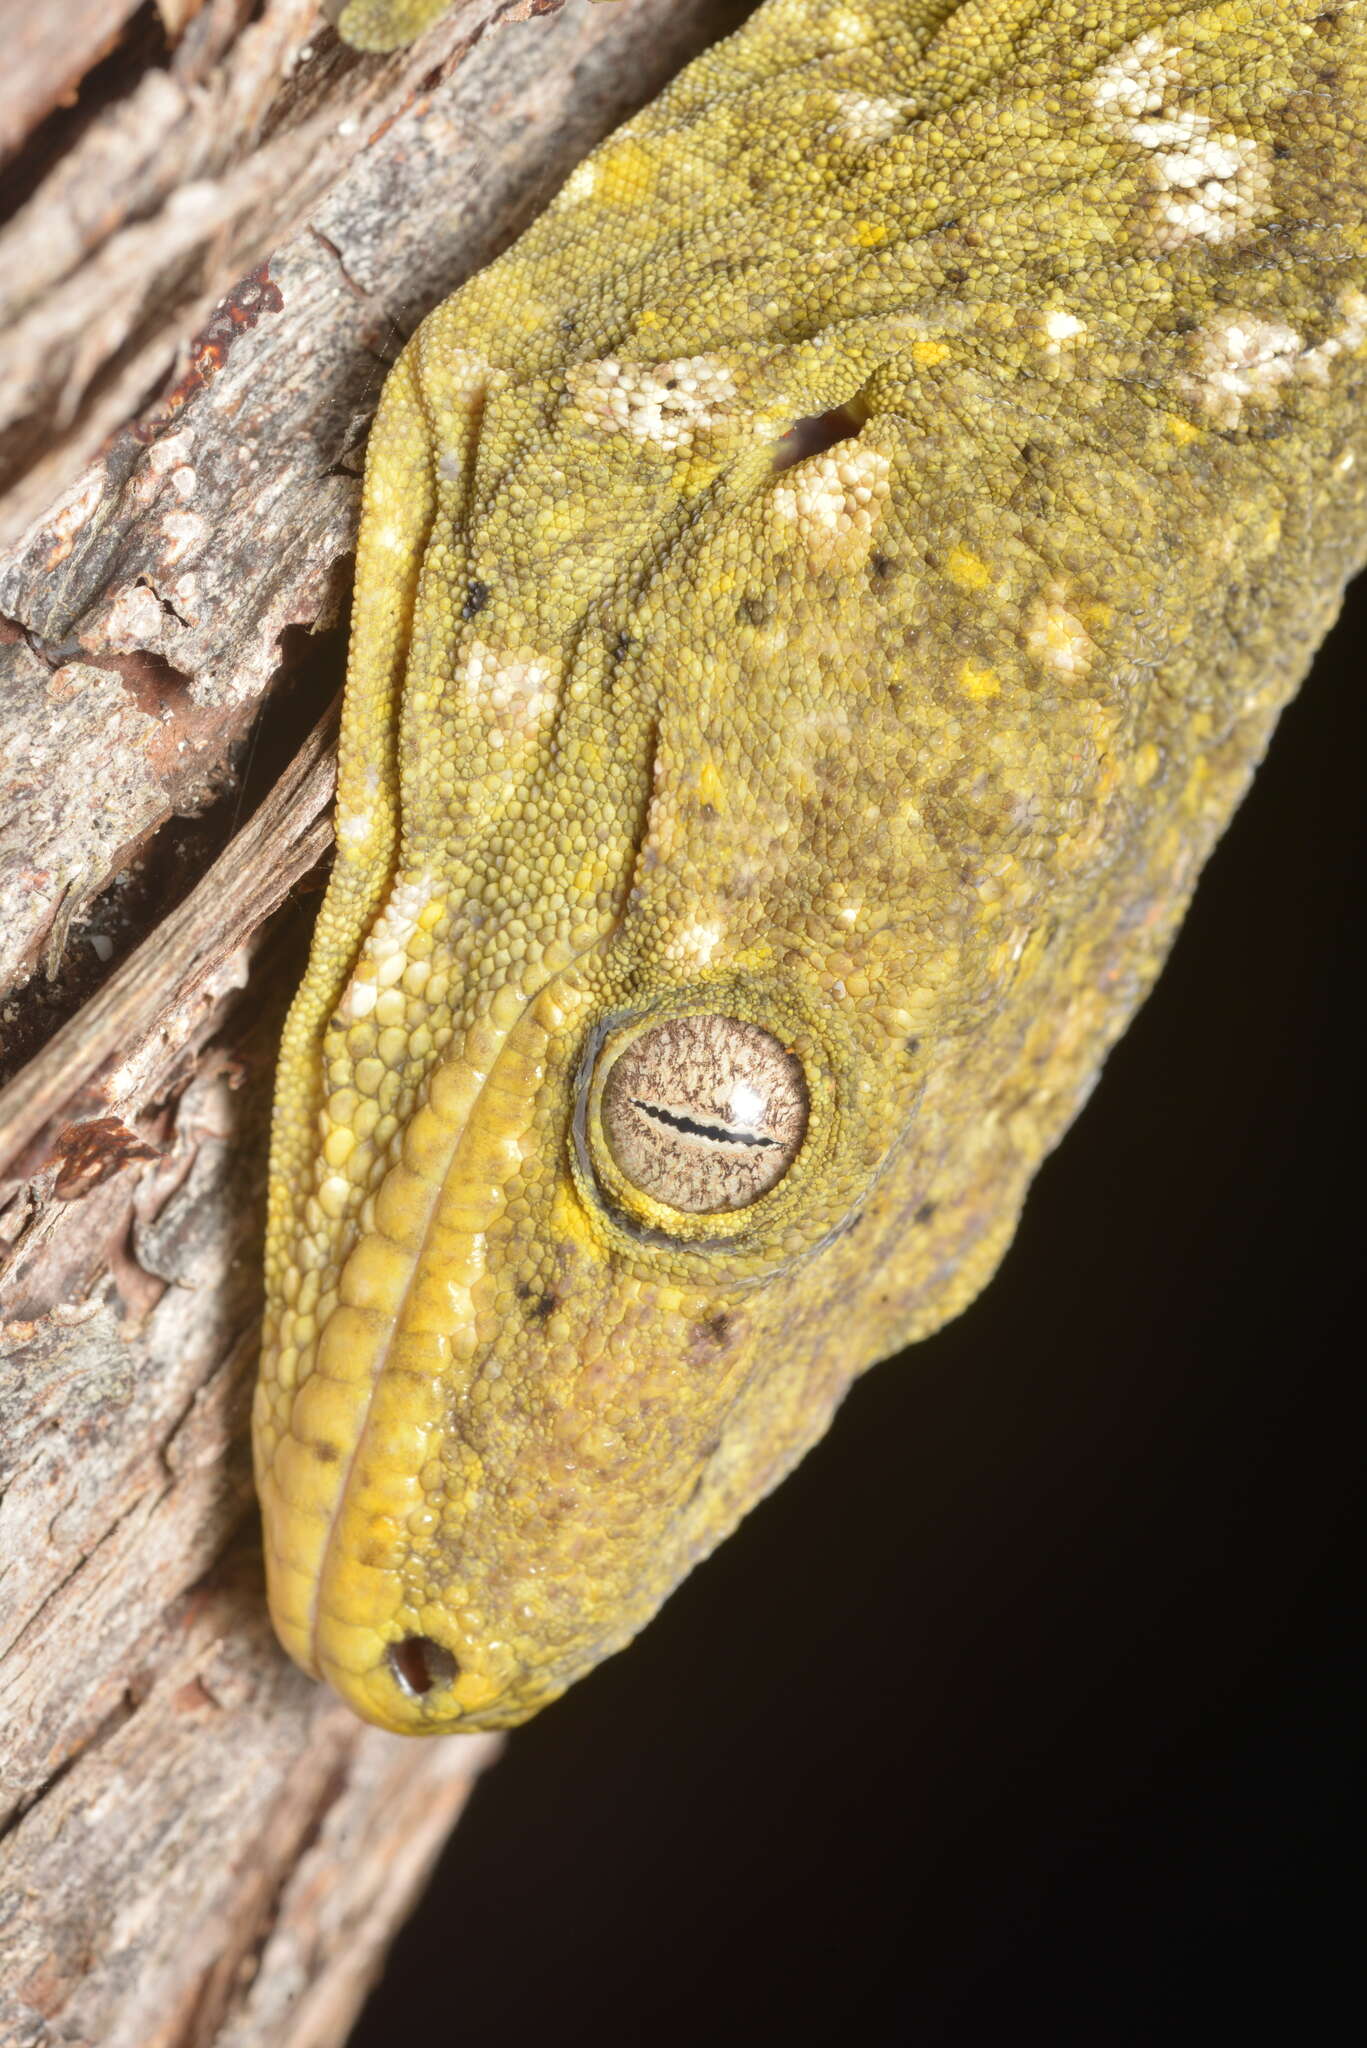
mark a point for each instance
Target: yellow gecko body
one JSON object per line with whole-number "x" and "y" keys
{"x": 821, "y": 594}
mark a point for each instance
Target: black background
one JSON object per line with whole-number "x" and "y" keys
{"x": 1028, "y": 1703}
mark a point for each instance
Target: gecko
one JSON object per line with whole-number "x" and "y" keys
{"x": 820, "y": 596}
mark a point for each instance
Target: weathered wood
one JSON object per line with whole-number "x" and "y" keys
{"x": 97, "y": 1067}
{"x": 201, "y": 1846}
{"x": 47, "y": 51}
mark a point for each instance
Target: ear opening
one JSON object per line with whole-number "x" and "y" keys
{"x": 818, "y": 431}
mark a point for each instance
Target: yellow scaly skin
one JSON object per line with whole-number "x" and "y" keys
{"x": 909, "y": 752}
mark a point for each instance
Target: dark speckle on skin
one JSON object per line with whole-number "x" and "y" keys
{"x": 925, "y": 1212}
{"x": 476, "y": 597}
{"x": 540, "y": 1305}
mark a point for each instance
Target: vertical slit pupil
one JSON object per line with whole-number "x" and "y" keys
{"x": 420, "y": 1665}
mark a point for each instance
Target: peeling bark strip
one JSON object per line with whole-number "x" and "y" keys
{"x": 247, "y": 219}
{"x": 119, "y": 1052}
{"x": 47, "y": 54}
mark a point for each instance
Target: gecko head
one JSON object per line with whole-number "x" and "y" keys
{"x": 640, "y": 1238}
{"x": 700, "y": 1050}
{"x": 619, "y": 1188}
{"x": 617, "y": 1192}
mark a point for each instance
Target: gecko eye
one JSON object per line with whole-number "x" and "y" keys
{"x": 705, "y": 1113}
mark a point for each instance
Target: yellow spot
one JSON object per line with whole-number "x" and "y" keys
{"x": 626, "y": 173}
{"x": 1182, "y": 431}
{"x": 568, "y": 1220}
{"x": 710, "y": 786}
{"x": 926, "y": 354}
{"x": 869, "y": 233}
{"x": 1145, "y": 764}
{"x": 1193, "y": 796}
{"x": 967, "y": 569}
{"x": 979, "y": 683}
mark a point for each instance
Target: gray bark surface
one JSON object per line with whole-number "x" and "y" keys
{"x": 207, "y": 265}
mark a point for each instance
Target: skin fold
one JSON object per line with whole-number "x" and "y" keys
{"x": 897, "y": 738}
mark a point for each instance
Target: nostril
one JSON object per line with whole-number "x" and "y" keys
{"x": 420, "y": 1665}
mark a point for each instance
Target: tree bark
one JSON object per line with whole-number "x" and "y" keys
{"x": 208, "y": 262}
